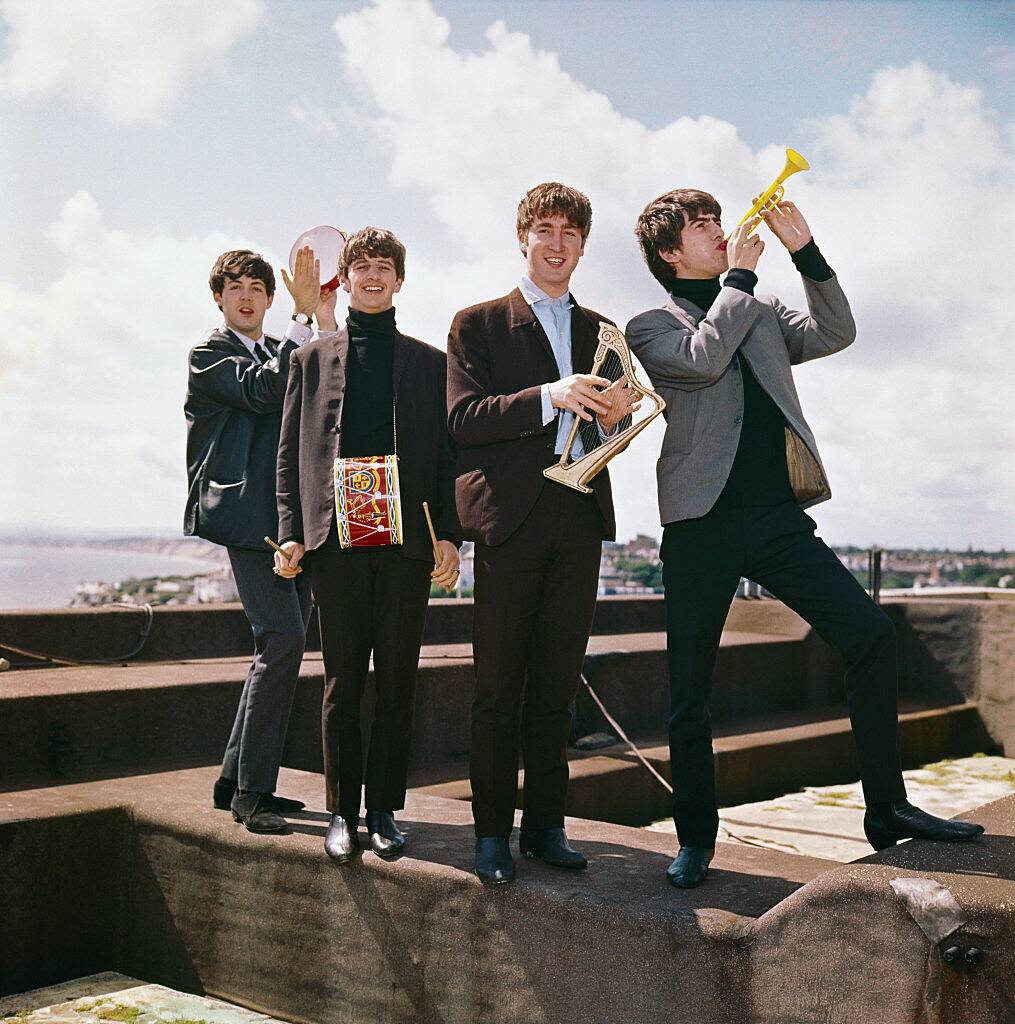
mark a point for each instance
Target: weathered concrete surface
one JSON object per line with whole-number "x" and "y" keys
{"x": 109, "y": 996}
{"x": 270, "y": 923}
{"x": 205, "y": 631}
{"x": 755, "y": 759}
{"x": 961, "y": 649}
{"x": 89, "y": 985}
{"x": 827, "y": 821}
{"x": 69, "y": 722}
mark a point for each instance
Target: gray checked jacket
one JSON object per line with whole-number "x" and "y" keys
{"x": 691, "y": 357}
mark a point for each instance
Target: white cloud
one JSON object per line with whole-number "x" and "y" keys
{"x": 911, "y": 198}
{"x": 95, "y": 375}
{"x": 129, "y": 59}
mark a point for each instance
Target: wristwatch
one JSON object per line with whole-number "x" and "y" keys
{"x": 304, "y": 319}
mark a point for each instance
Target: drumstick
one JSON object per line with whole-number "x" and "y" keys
{"x": 433, "y": 536}
{"x": 268, "y": 540}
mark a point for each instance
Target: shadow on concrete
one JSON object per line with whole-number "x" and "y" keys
{"x": 988, "y": 856}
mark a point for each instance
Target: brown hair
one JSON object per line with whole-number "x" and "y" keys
{"x": 373, "y": 242}
{"x": 661, "y": 222}
{"x": 237, "y": 263}
{"x": 549, "y": 198}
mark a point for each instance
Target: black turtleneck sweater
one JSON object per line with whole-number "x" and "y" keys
{"x": 368, "y": 424}
{"x": 759, "y": 475}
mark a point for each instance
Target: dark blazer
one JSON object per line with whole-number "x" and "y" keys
{"x": 498, "y": 359}
{"x": 233, "y": 410}
{"x": 311, "y": 440}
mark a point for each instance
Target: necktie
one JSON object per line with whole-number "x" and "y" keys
{"x": 264, "y": 352}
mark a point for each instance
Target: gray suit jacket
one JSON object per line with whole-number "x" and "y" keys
{"x": 698, "y": 374}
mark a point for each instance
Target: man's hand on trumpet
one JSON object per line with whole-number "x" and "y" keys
{"x": 287, "y": 561}
{"x": 788, "y": 225}
{"x": 744, "y": 250}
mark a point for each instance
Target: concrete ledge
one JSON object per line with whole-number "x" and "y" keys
{"x": 269, "y": 923}
{"x": 205, "y": 631}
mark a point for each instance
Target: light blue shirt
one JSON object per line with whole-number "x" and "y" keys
{"x": 554, "y": 315}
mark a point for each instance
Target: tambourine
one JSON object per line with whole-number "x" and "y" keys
{"x": 327, "y": 243}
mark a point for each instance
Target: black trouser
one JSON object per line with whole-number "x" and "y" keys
{"x": 703, "y": 560}
{"x": 277, "y": 610}
{"x": 368, "y": 600}
{"x": 535, "y": 599}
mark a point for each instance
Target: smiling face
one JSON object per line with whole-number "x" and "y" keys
{"x": 552, "y": 247}
{"x": 244, "y": 301}
{"x": 372, "y": 282}
{"x": 702, "y": 252}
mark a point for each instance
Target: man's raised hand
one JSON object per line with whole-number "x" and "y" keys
{"x": 788, "y": 225}
{"x": 743, "y": 251}
{"x": 305, "y": 284}
{"x": 325, "y": 312}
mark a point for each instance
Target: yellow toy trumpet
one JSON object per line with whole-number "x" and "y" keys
{"x": 774, "y": 193}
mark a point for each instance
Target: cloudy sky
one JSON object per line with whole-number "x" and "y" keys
{"x": 142, "y": 137}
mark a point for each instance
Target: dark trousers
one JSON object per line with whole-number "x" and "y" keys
{"x": 703, "y": 560}
{"x": 535, "y": 598}
{"x": 368, "y": 600}
{"x": 278, "y": 611}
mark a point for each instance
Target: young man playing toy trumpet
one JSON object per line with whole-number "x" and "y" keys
{"x": 738, "y": 465}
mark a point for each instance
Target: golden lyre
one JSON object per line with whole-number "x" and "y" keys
{"x": 613, "y": 358}
{"x": 774, "y": 193}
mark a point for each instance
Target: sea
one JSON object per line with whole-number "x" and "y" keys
{"x": 47, "y": 577}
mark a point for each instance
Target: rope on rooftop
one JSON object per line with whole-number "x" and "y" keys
{"x": 52, "y": 659}
{"x": 641, "y": 757}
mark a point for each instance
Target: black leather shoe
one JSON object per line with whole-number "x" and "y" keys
{"x": 225, "y": 789}
{"x": 690, "y": 867}
{"x": 385, "y": 839}
{"x": 885, "y": 824}
{"x": 256, "y": 814}
{"x": 550, "y": 845}
{"x": 341, "y": 843}
{"x": 493, "y": 861}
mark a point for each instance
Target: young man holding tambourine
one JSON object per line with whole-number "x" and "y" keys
{"x": 738, "y": 464}
{"x": 364, "y": 443}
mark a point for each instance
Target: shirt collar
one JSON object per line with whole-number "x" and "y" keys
{"x": 249, "y": 343}
{"x": 532, "y": 293}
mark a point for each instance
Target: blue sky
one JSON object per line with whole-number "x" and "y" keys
{"x": 141, "y": 138}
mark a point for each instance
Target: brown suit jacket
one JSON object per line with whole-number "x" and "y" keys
{"x": 311, "y": 436}
{"x": 498, "y": 359}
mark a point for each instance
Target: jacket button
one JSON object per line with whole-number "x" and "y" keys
{"x": 737, "y": 419}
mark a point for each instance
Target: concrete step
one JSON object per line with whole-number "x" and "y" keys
{"x": 72, "y": 722}
{"x": 756, "y": 759}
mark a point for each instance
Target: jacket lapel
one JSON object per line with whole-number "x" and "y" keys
{"x": 584, "y": 338}
{"x": 339, "y": 361}
{"x": 521, "y": 318}
{"x": 225, "y": 337}
{"x": 402, "y": 358}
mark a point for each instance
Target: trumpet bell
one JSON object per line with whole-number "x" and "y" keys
{"x": 795, "y": 161}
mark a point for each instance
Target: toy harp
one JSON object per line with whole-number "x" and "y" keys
{"x": 613, "y": 360}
